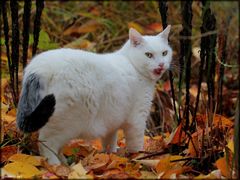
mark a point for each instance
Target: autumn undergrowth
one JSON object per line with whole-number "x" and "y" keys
{"x": 103, "y": 27}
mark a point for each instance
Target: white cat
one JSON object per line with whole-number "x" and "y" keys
{"x": 73, "y": 93}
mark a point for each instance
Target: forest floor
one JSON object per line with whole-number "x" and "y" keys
{"x": 169, "y": 150}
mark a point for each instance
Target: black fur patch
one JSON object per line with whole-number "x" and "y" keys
{"x": 34, "y": 112}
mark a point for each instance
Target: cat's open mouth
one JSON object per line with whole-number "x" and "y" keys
{"x": 158, "y": 71}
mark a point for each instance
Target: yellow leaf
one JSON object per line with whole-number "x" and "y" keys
{"x": 32, "y": 160}
{"x": 20, "y": 170}
{"x": 166, "y": 164}
{"x": 230, "y": 145}
{"x": 147, "y": 175}
{"x": 136, "y": 26}
{"x": 78, "y": 171}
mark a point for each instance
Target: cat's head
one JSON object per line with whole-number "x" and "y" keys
{"x": 150, "y": 55}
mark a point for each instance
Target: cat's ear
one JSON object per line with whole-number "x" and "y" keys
{"x": 165, "y": 33}
{"x": 135, "y": 37}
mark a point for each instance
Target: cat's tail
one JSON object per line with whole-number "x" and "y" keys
{"x": 34, "y": 111}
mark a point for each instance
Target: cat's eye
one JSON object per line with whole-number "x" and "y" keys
{"x": 149, "y": 55}
{"x": 164, "y": 53}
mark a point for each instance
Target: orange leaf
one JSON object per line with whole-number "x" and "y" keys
{"x": 218, "y": 120}
{"x": 177, "y": 136}
{"x": 223, "y": 166}
{"x": 156, "y": 27}
{"x": 221, "y": 120}
{"x": 194, "y": 144}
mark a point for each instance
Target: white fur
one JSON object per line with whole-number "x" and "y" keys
{"x": 96, "y": 94}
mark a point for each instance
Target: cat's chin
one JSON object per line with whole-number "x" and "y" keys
{"x": 155, "y": 76}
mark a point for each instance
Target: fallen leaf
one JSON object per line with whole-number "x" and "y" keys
{"x": 216, "y": 174}
{"x": 87, "y": 27}
{"x": 222, "y": 121}
{"x": 167, "y": 86}
{"x": 194, "y": 145}
{"x": 165, "y": 163}
{"x": 136, "y": 26}
{"x": 218, "y": 120}
{"x": 156, "y": 27}
{"x": 147, "y": 175}
{"x": 230, "y": 145}
{"x": 153, "y": 144}
{"x": 223, "y": 166}
{"x": 7, "y": 151}
{"x": 77, "y": 172}
{"x": 80, "y": 44}
{"x": 174, "y": 172}
{"x": 20, "y": 170}
{"x": 176, "y": 136}
{"x": 148, "y": 162}
{"x": 61, "y": 170}
{"x": 48, "y": 175}
{"x": 77, "y": 147}
{"x": 115, "y": 174}
{"x": 98, "y": 162}
{"x": 33, "y": 160}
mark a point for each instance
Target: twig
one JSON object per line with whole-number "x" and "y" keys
{"x": 154, "y": 154}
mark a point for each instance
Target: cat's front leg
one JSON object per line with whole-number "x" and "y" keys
{"x": 134, "y": 134}
{"x": 109, "y": 142}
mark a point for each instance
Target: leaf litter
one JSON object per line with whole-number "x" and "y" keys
{"x": 162, "y": 156}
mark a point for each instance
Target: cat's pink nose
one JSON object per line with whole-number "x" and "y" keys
{"x": 161, "y": 65}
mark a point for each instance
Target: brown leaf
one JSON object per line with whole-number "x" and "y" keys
{"x": 59, "y": 170}
{"x": 98, "y": 162}
{"x": 7, "y": 151}
{"x": 154, "y": 144}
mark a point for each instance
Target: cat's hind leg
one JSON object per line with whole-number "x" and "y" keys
{"x": 110, "y": 142}
{"x": 51, "y": 143}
